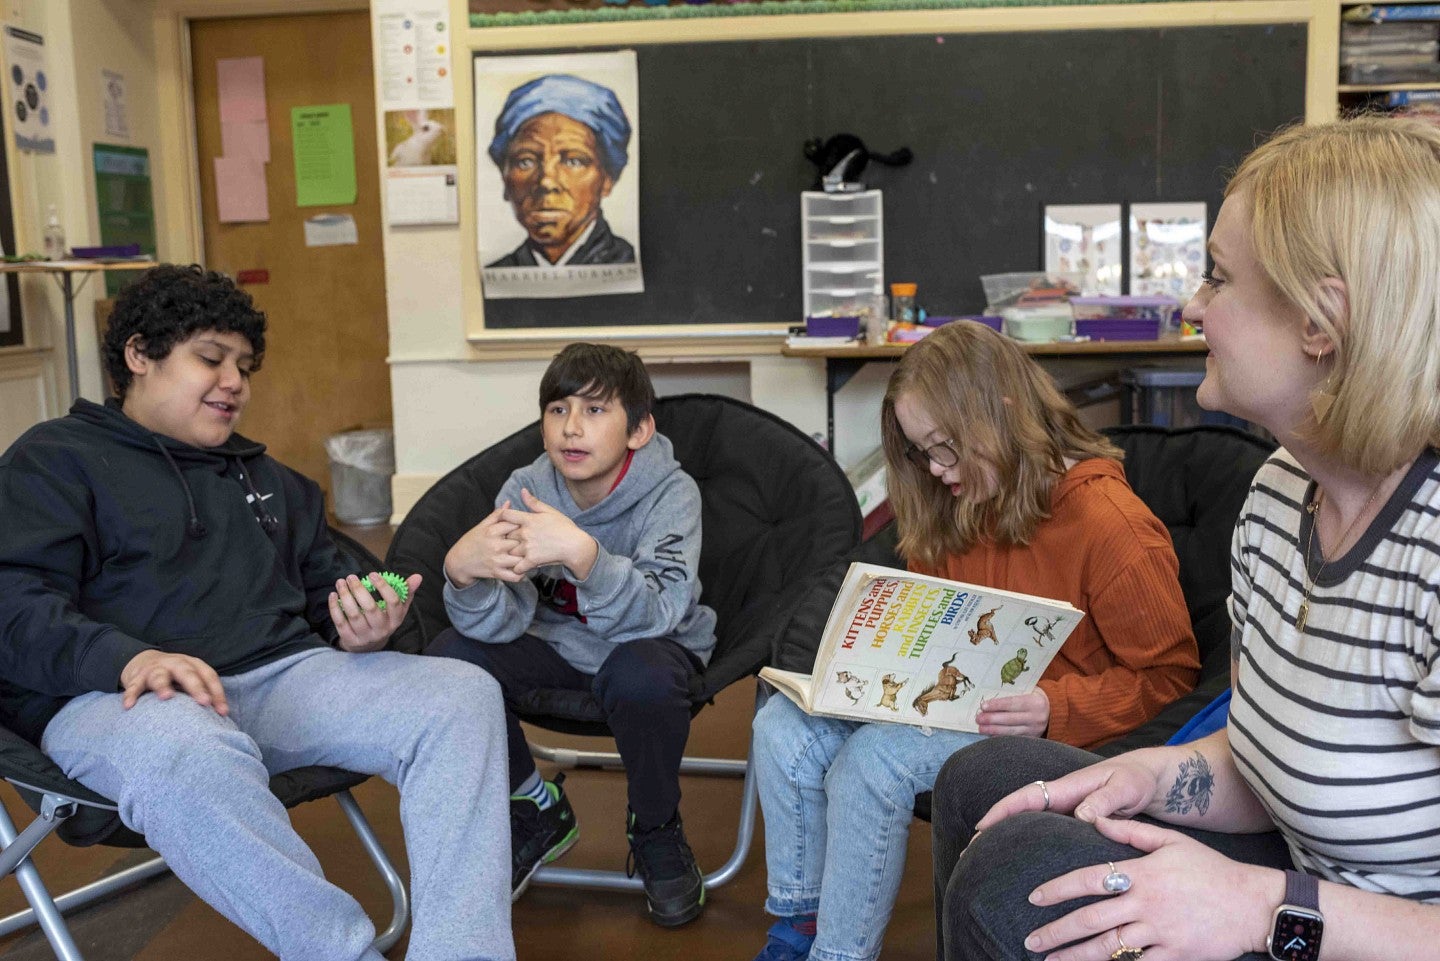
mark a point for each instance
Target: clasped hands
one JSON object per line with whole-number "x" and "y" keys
{"x": 359, "y": 623}
{"x": 510, "y": 543}
{"x": 1185, "y": 901}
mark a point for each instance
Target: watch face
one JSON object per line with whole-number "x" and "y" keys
{"x": 1296, "y": 936}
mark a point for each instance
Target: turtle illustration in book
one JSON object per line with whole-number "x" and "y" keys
{"x": 853, "y": 687}
{"x": 1044, "y": 628}
{"x": 947, "y": 687}
{"x": 1013, "y": 668}
{"x": 891, "y": 689}
{"x": 984, "y": 628}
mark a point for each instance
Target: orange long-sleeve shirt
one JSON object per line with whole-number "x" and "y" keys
{"x": 1103, "y": 551}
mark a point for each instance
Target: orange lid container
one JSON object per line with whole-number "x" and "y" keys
{"x": 904, "y": 290}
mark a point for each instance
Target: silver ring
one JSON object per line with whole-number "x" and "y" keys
{"x": 1116, "y": 882}
{"x": 1045, "y": 791}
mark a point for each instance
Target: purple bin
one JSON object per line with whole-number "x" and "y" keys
{"x": 1117, "y": 328}
{"x": 823, "y": 325}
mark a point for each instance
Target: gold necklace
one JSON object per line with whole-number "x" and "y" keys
{"x": 1313, "y": 509}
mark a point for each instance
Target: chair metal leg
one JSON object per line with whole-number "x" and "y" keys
{"x": 48, "y": 911}
{"x": 94, "y": 891}
{"x": 617, "y": 880}
{"x": 570, "y": 759}
{"x": 399, "y": 897}
{"x": 43, "y": 908}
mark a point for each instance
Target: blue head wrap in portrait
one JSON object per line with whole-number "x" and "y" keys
{"x": 582, "y": 101}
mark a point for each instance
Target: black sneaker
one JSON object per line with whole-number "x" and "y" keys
{"x": 539, "y": 836}
{"x": 674, "y": 888}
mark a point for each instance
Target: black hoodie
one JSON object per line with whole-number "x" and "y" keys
{"x": 115, "y": 540}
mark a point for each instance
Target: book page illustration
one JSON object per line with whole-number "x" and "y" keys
{"x": 928, "y": 652}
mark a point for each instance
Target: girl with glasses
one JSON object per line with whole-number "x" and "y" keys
{"x": 995, "y": 482}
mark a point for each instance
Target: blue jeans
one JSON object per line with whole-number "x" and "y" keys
{"x": 838, "y": 798}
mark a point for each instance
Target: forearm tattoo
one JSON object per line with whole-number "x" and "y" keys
{"x": 1193, "y": 788}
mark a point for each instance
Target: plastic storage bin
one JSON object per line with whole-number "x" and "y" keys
{"x": 1124, "y": 318}
{"x": 1045, "y": 323}
{"x": 1165, "y": 396}
{"x": 361, "y": 463}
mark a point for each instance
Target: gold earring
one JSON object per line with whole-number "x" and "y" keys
{"x": 1322, "y": 398}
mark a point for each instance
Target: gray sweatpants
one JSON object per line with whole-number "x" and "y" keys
{"x": 196, "y": 785}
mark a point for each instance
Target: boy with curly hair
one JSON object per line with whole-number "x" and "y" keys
{"x": 178, "y": 627}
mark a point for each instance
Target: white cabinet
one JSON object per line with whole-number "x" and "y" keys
{"x": 842, "y": 236}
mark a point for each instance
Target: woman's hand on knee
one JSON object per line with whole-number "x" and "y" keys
{"x": 1116, "y": 787}
{"x": 1180, "y": 900}
{"x": 162, "y": 672}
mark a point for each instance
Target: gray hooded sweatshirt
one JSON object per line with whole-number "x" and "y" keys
{"x": 645, "y": 582}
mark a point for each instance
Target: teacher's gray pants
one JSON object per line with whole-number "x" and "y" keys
{"x": 981, "y": 892}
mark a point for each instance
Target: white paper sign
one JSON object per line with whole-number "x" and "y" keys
{"x": 414, "y": 53}
{"x": 421, "y": 195}
{"x": 112, "y": 96}
{"x": 31, "y": 90}
{"x": 330, "y": 230}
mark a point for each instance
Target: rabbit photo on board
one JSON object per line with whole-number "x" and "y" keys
{"x": 420, "y": 138}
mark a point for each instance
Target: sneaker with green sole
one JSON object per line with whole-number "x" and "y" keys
{"x": 674, "y": 887}
{"x": 539, "y": 836}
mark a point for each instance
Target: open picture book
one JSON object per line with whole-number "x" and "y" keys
{"x": 924, "y": 650}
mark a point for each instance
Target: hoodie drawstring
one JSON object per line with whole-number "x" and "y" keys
{"x": 268, "y": 521}
{"x": 194, "y": 527}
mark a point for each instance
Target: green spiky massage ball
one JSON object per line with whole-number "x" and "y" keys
{"x": 394, "y": 580}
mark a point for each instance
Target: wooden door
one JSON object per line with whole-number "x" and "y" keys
{"x": 324, "y": 368}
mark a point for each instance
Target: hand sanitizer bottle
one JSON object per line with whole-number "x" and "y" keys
{"x": 54, "y": 236}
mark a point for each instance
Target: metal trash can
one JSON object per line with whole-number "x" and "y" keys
{"x": 361, "y": 464}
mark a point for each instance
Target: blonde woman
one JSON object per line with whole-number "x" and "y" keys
{"x": 1310, "y": 828}
{"x": 994, "y": 481}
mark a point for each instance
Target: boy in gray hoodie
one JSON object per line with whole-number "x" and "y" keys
{"x": 585, "y": 576}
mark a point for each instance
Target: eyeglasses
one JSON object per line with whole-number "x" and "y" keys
{"x": 942, "y": 454}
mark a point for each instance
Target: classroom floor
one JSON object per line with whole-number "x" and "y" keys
{"x": 161, "y": 920}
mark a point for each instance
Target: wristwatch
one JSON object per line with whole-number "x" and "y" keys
{"x": 1298, "y": 924}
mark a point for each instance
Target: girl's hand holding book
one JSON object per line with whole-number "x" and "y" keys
{"x": 1027, "y": 715}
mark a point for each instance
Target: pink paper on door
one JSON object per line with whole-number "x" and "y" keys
{"x": 242, "y": 89}
{"x": 240, "y": 190}
{"x": 245, "y": 138}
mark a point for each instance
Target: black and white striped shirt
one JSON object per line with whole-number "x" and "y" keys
{"x": 1337, "y": 730}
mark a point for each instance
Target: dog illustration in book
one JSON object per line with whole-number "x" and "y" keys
{"x": 984, "y": 630}
{"x": 852, "y": 686}
{"x": 948, "y": 687}
{"x": 1044, "y": 629}
{"x": 892, "y": 688}
{"x": 1014, "y": 667}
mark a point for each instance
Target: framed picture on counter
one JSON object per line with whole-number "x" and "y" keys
{"x": 1167, "y": 249}
{"x": 1085, "y": 239}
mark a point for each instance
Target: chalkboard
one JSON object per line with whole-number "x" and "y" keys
{"x": 1000, "y": 125}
